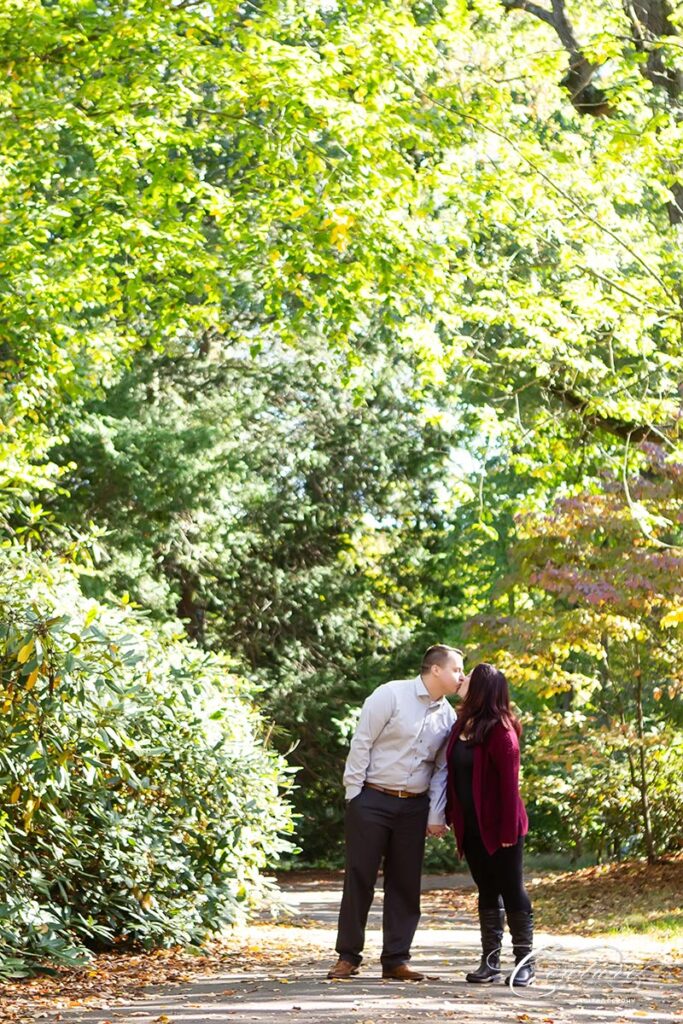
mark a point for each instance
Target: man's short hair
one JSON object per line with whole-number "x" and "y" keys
{"x": 437, "y": 654}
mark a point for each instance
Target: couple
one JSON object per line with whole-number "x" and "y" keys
{"x": 413, "y": 766}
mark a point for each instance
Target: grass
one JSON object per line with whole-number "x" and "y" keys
{"x": 634, "y": 897}
{"x": 556, "y": 862}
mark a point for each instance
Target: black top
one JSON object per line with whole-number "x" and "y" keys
{"x": 462, "y": 765}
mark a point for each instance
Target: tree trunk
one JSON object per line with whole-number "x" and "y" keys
{"x": 643, "y": 784}
{"x": 190, "y": 610}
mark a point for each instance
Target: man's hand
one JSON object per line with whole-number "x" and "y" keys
{"x": 437, "y": 830}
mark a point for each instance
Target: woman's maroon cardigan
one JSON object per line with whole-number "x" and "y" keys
{"x": 500, "y": 811}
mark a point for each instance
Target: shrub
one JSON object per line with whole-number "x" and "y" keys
{"x": 139, "y": 800}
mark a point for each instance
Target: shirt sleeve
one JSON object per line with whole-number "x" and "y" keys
{"x": 439, "y": 781}
{"x": 505, "y": 753}
{"x": 376, "y": 712}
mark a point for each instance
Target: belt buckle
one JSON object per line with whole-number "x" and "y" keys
{"x": 402, "y": 793}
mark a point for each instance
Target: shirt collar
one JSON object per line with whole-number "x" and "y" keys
{"x": 422, "y": 691}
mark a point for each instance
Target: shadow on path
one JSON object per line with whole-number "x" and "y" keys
{"x": 579, "y": 979}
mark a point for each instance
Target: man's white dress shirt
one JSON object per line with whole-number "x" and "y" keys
{"x": 400, "y": 743}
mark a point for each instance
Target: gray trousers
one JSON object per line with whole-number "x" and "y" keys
{"x": 379, "y": 826}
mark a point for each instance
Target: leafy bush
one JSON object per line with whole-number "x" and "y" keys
{"x": 139, "y": 801}
{"x": 582, "y": 796}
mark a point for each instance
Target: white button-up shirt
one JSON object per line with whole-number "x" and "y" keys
{"x": 400, "y": 743}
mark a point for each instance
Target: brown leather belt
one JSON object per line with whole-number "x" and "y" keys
{"x": 395, "y": 792}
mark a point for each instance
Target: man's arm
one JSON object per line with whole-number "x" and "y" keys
{"x": 377, "y": 711}
{"x": 436, "y": 823}
{"x": 437, "y": 792}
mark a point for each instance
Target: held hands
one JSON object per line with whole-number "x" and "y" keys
{"x": 439, "y": 831}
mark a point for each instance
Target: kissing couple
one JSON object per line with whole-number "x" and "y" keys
{"x": 414, "y": 769}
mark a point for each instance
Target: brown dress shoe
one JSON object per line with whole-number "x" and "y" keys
{"x": 342, "y": 969}
{"x": 402, "y": 973}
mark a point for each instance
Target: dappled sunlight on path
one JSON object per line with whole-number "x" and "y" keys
{"x": 280, "y": 974}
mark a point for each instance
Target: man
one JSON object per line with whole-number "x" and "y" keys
{"x": 395, "y": 781}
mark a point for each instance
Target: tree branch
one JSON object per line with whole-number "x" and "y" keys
{"x": 585, "y": 97}
{"x": 531, "y": 8}
{"x": 650, "y": 20}
{"x": 651, "y": 23}
{"x": 598, "y": 421}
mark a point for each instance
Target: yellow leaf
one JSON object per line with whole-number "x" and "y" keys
{"x": 25, "y": 652}
{"x": 32, "y": 679}
{"x": 16, "y": 793}
{"x": 672, "y": 618}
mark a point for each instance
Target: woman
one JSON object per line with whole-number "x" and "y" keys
{"x": 487, "y": 814}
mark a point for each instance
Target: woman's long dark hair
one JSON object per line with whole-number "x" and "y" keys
{"x": 487, "y": 702}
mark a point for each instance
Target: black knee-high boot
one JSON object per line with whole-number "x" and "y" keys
{"x": 521, "y": 924}
{"x": 491, "y": 925}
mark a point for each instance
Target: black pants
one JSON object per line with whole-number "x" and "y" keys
{"x": 381, "y": 826}
{"x": 498, "y": 875}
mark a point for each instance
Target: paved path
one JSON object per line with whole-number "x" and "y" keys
{"x": 580, "y": 979}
